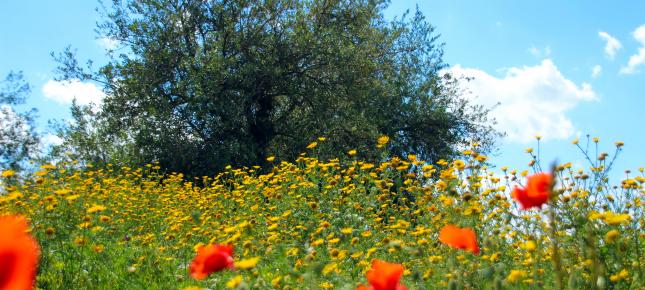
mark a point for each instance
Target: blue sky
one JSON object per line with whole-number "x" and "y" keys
{"x": 560, "y": 69}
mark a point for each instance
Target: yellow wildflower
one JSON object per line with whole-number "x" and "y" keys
{"x": 247, "y": 263}
{"x": 515, "y": 275}
{"x": 234, "y": 282}
{"x": 611, "y": 236}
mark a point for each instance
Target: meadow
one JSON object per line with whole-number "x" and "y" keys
{"x": 319, "y": 224}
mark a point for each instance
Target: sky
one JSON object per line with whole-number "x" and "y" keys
{"x": 559, "y": 69}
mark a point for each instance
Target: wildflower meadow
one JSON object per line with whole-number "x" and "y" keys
{"x": 400, "y": 223}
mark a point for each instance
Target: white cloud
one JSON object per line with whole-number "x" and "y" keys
{"x": 637, "y": 59}
{"x": 612, "y": 45}
{"x": 595, "y": 71}
{"x": 51, "y": 140}
{"x": 108, "y": 43}
{"x": 66, "y": 91}
{"x": 540, "y": 53}
{"x": 532, "y": 100}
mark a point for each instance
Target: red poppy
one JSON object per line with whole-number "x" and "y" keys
{"x": 384, "y": 276}
{"x": 211, "y": 258}
{"x": 18, "y": 254}
{"x": 537, "y": 191}
{"x": 459, "y": 238}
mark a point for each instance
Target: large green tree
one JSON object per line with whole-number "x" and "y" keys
{"x": 197, "y": 85}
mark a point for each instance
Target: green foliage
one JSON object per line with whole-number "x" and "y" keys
{"x": 18, "y": 140}
{"x": 84, "y": 139}
{"x": 198, "y": 85}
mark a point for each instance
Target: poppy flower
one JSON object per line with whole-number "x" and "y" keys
{"x": 537, "y": 191}
{"x": 459, "y": 238}
{"x": 211, "y": 258}
{"x": 18, "y": 254}
{"x": 384, "y": 276}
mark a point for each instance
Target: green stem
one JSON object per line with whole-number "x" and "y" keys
{"x": 557, "y": 263}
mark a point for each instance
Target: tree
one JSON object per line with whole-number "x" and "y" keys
{"x": 197, "y": 85}
{"x": 18, "y": 139}
{"x": 84, "y": 139}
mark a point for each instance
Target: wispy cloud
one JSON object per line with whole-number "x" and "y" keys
{"x": 531, "y": 100}
{"x": 596, "y": 71}
{"x": 637, "y": 60}
{"x": 612, "y": 44}
{"x": 66, "y": 91}
{"x": 540, "y": 53}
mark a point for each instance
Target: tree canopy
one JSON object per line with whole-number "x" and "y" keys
{"x": 18, "y": 140}
{"x": 198, "y": 85}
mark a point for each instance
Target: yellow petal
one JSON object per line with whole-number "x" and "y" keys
{"x": 247, "y": 264}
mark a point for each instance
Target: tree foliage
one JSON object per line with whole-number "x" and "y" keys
{"x": 18, "y": 140}
{"x": 198, "y": 85}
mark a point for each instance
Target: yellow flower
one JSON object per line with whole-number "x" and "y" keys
{"x": 80, "y": 241}
{"x": 312, "y": 145}
{"x": 351, "y": 152}
{"x": 459, "y": 164}
{"x": 329, "y": 268}
{"x": 515, "y": 275}
{"x": 611, "y": 236}
{"x": 73, "y": 197}
{"x": 356, "y": 255}
{"x": 382, "y": 140}
{"x": 530, "y": 245}
{"x": 275, "y": 282}
{"x": 270, "y": 158}
{"x": 615, "y": 219}
{"x": 234, "y": 282}
{"x": 50, "y": 231}
{"x": 8, "y": 173}
{"x": 61, "y": 192}
{"x": 47, "y": 167}
{"x": 95, "y": 208}
{"x": 622, "y": 275}
{"x": 481, "y": 158}
{"x": 197, "y": 247}
{"x": 247, "y": 263}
